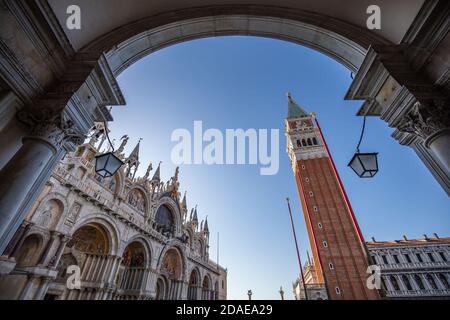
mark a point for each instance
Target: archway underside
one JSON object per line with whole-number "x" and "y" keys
{"x": 142, "y": 38}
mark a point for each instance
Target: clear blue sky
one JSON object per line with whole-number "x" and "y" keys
{"x": 240, "y": 82}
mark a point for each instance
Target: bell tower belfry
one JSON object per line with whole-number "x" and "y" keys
{"x": 336, "y": 241}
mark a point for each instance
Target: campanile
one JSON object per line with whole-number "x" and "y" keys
{"x": 336, "y": 241}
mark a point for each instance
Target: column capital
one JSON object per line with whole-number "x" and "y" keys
{"x": 426, "y": 121}
{"x": 53, "y": 128}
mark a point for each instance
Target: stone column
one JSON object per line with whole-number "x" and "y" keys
{"x": 48, "y": 247}
{"x": 62, "y": 244}
{"x": 26, "y": 290}
{"x": 48, "y": 133}
{"x": 42, "y": 289}
{"x": 184, "y": 290}
{"x": 432, "y": 124}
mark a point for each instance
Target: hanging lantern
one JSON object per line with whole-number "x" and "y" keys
{"x": 365, "y": 165}
{"x": 106, "y": 165}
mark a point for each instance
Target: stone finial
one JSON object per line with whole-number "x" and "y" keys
{"x": 205, "y": 227}
{"x": 157, "y": 175}
{"x": 184, "y": 202}
{"x": 149, "y": 169}
{"x": 195, "y": 218}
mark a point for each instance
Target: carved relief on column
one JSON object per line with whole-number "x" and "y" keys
{"x": 55, "y": 129}
{"x": 426, "y": 121}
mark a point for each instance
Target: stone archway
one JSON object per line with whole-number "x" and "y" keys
{"x": 89, "y": 249}
{"x": 29, "y": 253}
{"x": 172, "y": 269}
{"x": 82, "y": 81}
{"x": 161, "y": 289}
{"x": 194, "y": 285}
{"x": 132, "y": 274}
{"x": 206, "y": 288}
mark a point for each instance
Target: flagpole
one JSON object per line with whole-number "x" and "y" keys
{"x": 217, "y": 250}
{"x": 298, "y": 252}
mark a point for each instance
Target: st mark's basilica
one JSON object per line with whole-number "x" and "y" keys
{"x": 126, "y": 237}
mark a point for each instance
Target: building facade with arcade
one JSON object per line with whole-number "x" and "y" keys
{"x": 125, "y": 237}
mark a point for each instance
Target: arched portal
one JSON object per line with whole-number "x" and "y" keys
{"x": 161, "y": 289}
{"x": 91, "y": 238}
{"x": 172, "y": 269}
{"x": 194, "y": 284}
{"x": 89, "y": 250}
{"x": 133, "y": 268}
{"x": 29, "y": 253}
{"x": 206, "y": 288}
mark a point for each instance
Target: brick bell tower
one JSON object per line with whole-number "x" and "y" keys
{"x": 336, "y": 241}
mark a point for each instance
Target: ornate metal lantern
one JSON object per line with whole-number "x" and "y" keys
{"x": 365, "y": 165}
{"x": 106, "y": 165}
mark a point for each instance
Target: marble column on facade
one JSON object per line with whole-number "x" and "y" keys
{"x": 151, "y": 282}
{"x": 45, "y": 255}
{"x": 24, "y": 169}
{"x": 59, "y": 252}
{"x": 107, "y": 270}
{"x": 114, "y": 268}
{"x": 43, "y": 287}
{"x": 25, "y": 295}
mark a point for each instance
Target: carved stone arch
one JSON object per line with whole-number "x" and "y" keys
{"x": 57, "y": 213}
{"x": 198, "y": 238}
{"x": 161, "y": 288}
{"x": 145, "y": 197}
{"x": 182, "y": 256}
{"x": 196, "y": 269}
{"x": 147, "y": 246}
{"x": 336, "y": 38}
{"x": 207, "y": 280}
{"x": 107, "y": 223}
{"x": 174, "y": 208}
{"x": 31, "y": 249}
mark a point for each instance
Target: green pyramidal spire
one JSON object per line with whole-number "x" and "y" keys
{"x": 294, "y": 110}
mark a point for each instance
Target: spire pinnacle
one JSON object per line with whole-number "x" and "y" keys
{"x": 157, "y": 175}
{"x": 195, "y": 218}
{"x": 134, "y": 155}
{"x": 294, "y": 109}
{"x": 205, "y": 227}
{"x": 183, "y": 202}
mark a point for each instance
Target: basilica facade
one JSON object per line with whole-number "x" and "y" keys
{"x": 123, "y": 237}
